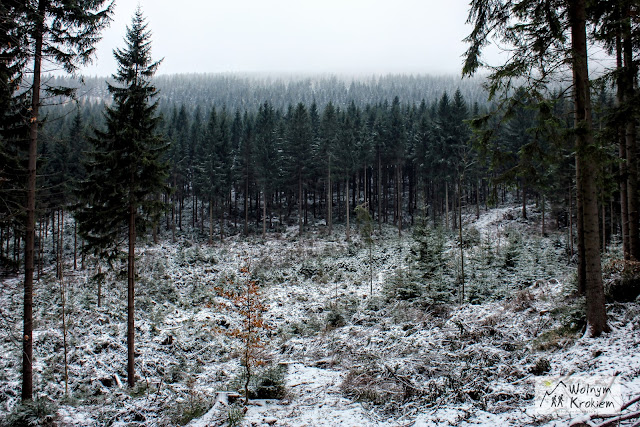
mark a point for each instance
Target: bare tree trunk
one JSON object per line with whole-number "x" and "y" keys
{"x": 544, "y": 231}
{"x": 75, "y": 244}
{"x": 604, "y": 227}
{"x": 222, "y": 219}
{"x": 582, "y": 284}
{"x": 446, "y": 204}
{"x": 131, "y": 273}
{"x": 622, "y": 151}
{"x": 40, "y": 248}
{"x": 99, "y": 285}
{"x": 329, "y": 199}
{"x": 629, "y": 73}
{"x": 571, "y": 251}
{"x": 173, "y": 216}
{"x": 399, "y": 191}
{"x": 63, "y": 298}
{"x": 210, "y": 221}
{"x": 379, "y": 191}
{"x": 478, "y": 200}
{"x": 346, "y": 182}
{"x": 300, "y": 203}
{"x": 83, "y": 257}
{"x": 264, "y": 215}
{"x": 365, "y": 182}
{"x": 613, "y": 219}
{"x": 585, "y": 164}
{"x": 246, "y": 207}
{"x": 524, "y": 202}
{"x": 461, "y": 241}
{"x": 29, "y": 245}
{"x": 60, "y": 240}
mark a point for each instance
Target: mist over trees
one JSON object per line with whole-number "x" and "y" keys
{"x": 249, "y": 91}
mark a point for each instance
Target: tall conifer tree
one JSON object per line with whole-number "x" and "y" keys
{"x": 544, "y": 36}
{"x": 126, "y": 172}
{"x": 62, "y": 33}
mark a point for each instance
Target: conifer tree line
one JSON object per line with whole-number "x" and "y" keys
{"x": 250, "y": 91}
{"x": 303, "y": 160}
{"x": 401, "y": 160}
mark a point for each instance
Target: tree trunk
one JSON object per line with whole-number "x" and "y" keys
{"x": 571, "y": 251}
{"x": 38, "y": 248}
{"x": 604, "y": 227}
{"x": 446, "y": 204}
{"x": 461, "y": 241}
{"x": 63, "y": 300}
{"x": 300, "y": 203}
{"x": 379, "y": 177}
{"x": 585, "y": 163}
{"x": 75, "y": 244}
{"x": 99, "y": 285}
{"x": 355, "y": 194}
{"x": 246, "y": 207}
{"x": 544, "y": 232}
{"x": 83, "y": 257}
{"x": 622, "y": 151}
{"x": 180, "y": 209}
{"x": 365, "y": 189}
{"x": 524, "y": 202}
{"x": 329, "y": 199}
{"x": 194, "y": 211}
{"x": 478, "y": 200}
{"x": 582, "y": 274}
{"x": 29, "y": 244}
{"x": 264, "y": 215}
{"x": 60, "y": 241}
{"x": 400, "y": 191}
{"x": 130, "y": 297}
{"x": 210, "y": 221}
{"x": 222, "y": 219}
{"x": 630, "y": 138}
{"x": 346, "y": 182}
{"x": 306, "y": 207}
{"x": 173, "y": 215}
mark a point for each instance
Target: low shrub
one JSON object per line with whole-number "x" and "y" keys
{"x": 38, "y": 412}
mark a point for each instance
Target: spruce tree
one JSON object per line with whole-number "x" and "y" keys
{"x": 61, "y": 33}
{"x": 223, "y": 161}
{"x": 13, "y": 113}
{"x": 206, "y": 174}
{"x": 267, "y": 155}
{"x": 545, "y": 36}
{"x": 125, "y": 172}
{"x": 299, "y": 139}
{"x": 325, "y": 153}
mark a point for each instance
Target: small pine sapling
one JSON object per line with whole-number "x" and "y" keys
{"x": 246, "y": 301}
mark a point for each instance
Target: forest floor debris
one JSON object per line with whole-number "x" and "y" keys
{"x": 352, "y": 357}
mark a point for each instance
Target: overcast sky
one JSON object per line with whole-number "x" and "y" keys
{"x": 295, "y": 36}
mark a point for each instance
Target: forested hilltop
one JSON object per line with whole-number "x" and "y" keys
{"x": 249, "y": 91}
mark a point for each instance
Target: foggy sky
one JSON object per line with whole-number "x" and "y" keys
{"x": 295, "y": 36}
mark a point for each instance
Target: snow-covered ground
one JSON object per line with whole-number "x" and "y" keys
{"x": 353, "y": 357}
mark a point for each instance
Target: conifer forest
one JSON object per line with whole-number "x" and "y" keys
{"x": 317, "y": 249}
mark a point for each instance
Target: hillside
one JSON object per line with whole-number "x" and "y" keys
{"x": 335, "y": 353}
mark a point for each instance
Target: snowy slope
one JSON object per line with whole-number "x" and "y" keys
{"x": 352, "y": 357}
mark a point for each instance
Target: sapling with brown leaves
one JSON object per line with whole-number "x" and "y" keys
{"x": 244, "y": 299}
